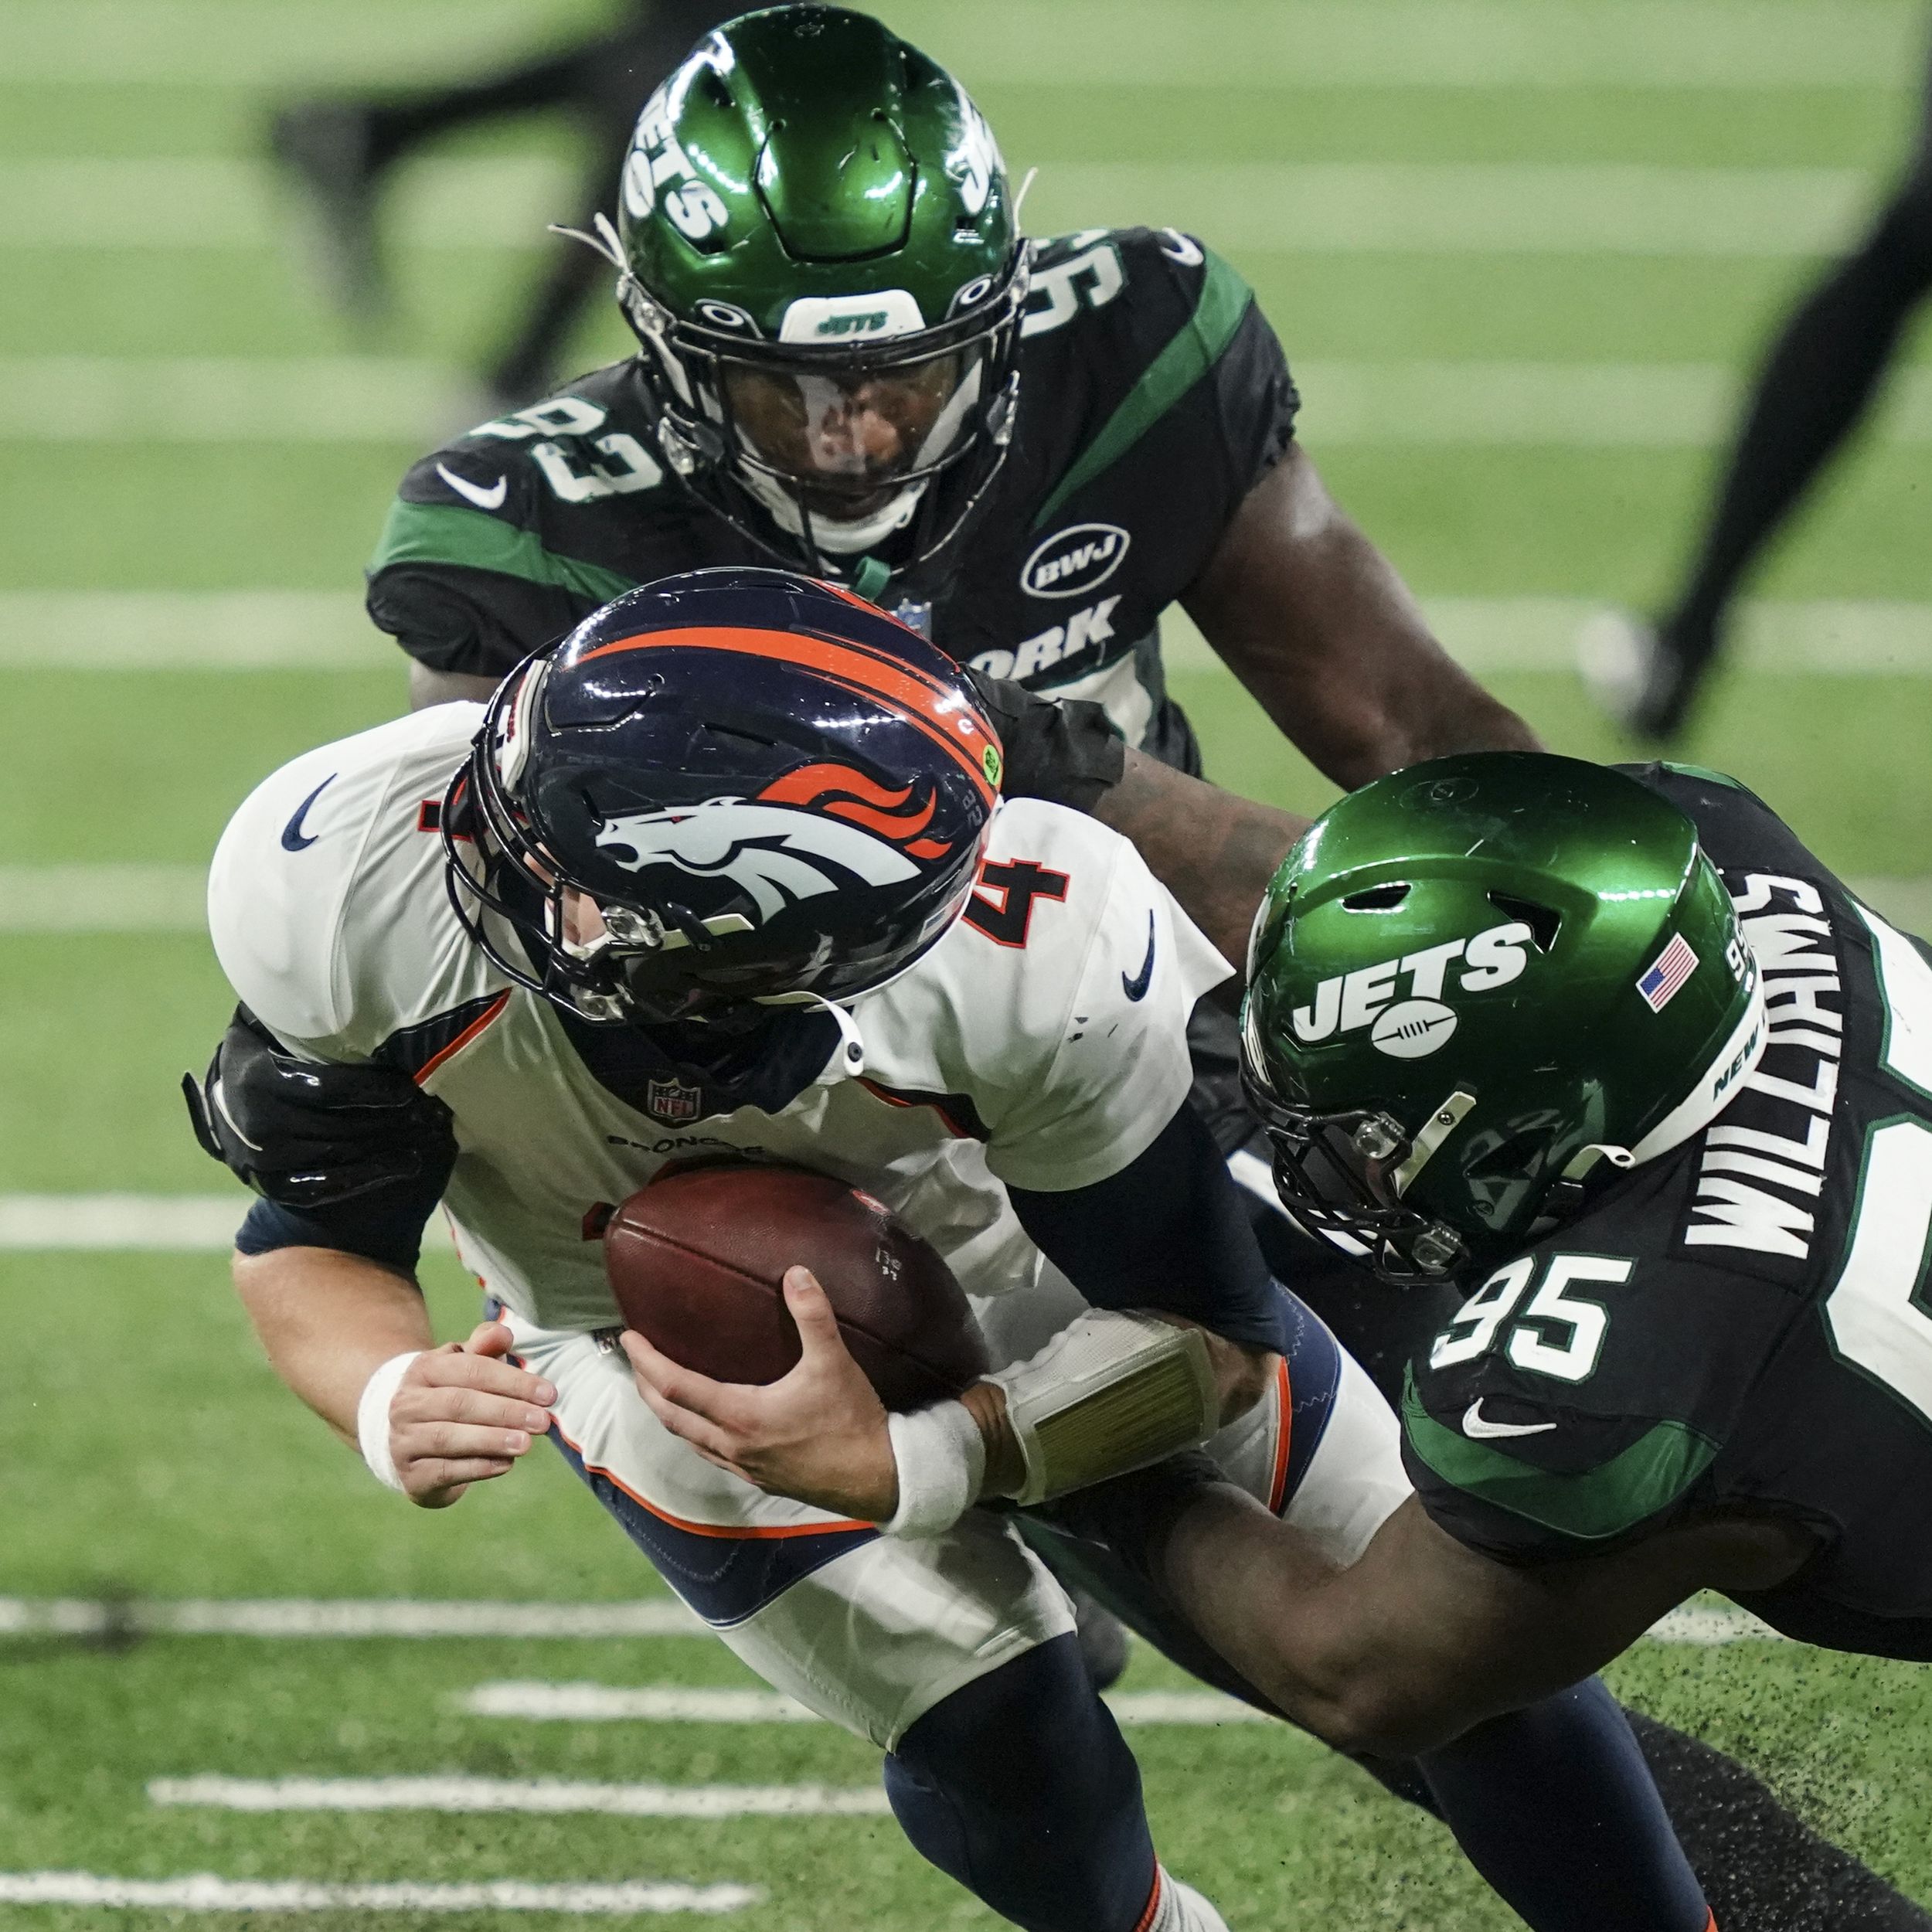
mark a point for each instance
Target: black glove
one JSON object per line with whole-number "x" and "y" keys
{"x": 307, "y": 1135}
{"x": 1066, "y": 753}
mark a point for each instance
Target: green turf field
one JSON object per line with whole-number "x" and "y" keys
{"x": 149, "y": 1453}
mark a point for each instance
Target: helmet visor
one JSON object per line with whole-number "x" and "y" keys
{"x": 848, "y": 437}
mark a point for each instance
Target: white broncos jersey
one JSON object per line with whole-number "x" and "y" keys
{"x": 1042, "y": 1041}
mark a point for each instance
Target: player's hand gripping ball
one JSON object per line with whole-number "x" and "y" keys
{"x": 697, "y": 1261}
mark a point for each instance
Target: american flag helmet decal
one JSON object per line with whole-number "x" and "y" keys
{"x": 1668, "y": 971}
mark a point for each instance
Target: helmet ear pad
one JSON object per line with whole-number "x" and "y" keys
{"x": 771, "y": 789}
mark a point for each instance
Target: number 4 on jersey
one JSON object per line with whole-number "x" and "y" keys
{"x": 1006, "y": 917}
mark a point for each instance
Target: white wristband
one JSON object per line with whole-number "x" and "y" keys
{"x": 372, "y": 1418}
{"x": 942, "y": 1462}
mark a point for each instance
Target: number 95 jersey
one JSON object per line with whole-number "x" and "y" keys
{"x": 1743, "y": 1326}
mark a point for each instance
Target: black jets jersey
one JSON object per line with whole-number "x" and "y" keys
{"x": 1742, "y": 1325}
{"x": 1153, "y": 397}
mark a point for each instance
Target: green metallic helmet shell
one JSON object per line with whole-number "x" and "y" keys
{"x": 1473, "y": 979}
{"x": 809, "y": 199}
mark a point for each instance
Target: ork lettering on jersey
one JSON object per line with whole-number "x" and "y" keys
{"x": 1085, "y": 631}
{"x": 1756, "y": 1184}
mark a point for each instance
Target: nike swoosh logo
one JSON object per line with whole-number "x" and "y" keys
{"x": 1136, "y": 988}
{"x": 489, "y": 499}
{"x": 1473, "y": 1425}
{"x": 292, "y": 838}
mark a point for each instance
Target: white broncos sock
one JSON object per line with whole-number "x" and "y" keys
{"x": 1179, "y": 1908}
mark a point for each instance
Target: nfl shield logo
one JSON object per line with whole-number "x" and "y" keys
{"x": 672, "y": 1102}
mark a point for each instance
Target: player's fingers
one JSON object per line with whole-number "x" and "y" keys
{"x": 425, "y": 1404}
{"x": 433, "y": 1440}
{"x": 451, "y": 1369}
{"x": 489, "y": 1338}
{"x": 811, "y": 1309}
{"x": 684, "y": 1387}
{"x": 436, "y": 1484}
{"x": 716, "y": 1444}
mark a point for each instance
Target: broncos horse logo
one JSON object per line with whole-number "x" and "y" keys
{"x": 804, "y": 834}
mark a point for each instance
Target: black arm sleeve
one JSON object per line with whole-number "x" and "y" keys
{"x": 1063, "y": 750}
{"x": 350, "y": 1158}
{"x": 1167, "y": 1233}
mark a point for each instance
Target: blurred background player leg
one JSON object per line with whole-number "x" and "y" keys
{"x": 340, "y": 152}
{"x": 1813, "y": 390}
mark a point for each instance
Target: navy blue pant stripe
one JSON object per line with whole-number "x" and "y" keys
{"x": 724, "y": 1579}
{"x": 1314, "y": 1358}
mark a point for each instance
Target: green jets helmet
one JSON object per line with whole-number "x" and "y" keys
{"x": 819, "y": 256}
{"x": 1472, "y": 981}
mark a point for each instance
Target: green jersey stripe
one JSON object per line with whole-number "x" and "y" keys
{"x": 441, "y": 533}
{"x": 1592, "y": 1503}
{"x": 1196, "y": 347}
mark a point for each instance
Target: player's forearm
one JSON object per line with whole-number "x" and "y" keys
{"x": 1359, "y": 683}
{"x": 1320, "y": 627}
{"x": 328, "y": 1320}
{"x": 1403, "y": 1651}
{"x": 1215, "y": 852}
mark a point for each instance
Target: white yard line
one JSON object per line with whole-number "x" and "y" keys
{"x": 545, "y": 1796}
{"x": 1489, "y": 634}
{"x": 1722, "y": 44}
{"x": 328, "y": 630}
{"x": 1712, "y": 1623}
{"x": 190, "y": 631}
{"x": 109, "y": 1224}
{"x": 298, "y": 399}
{"x": 1437, "y": 208}
{"x": 103, "y": 898}
{"x": 279, "y": 1618}
{"x": 679, "y": 1704}
{"x": 203, "y": 1892}
{"x": 333, "y": 399}
{"x": 298, "y": 1617}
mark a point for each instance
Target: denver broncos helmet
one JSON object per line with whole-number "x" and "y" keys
{"x": 731, "y": 787}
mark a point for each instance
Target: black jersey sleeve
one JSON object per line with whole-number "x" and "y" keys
{"x": 1255, "y": 401}
{"x": 1584, "y": 1395}
{"x": 1737, "y": 829}
{"x": 469, "y": 589}
{"x": 1171, "y": 371}
{"x": 1168, "y": 1232}
{"x": 504, "y": 540}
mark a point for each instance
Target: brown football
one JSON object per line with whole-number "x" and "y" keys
{"x": 697, "y": 1260}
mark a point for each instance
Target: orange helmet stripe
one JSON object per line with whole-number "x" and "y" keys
{"x": 908, "y": 693}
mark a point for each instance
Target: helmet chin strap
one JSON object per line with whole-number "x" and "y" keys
{"x": 828, "y": 535}
{"x": 849, "y": 1061}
